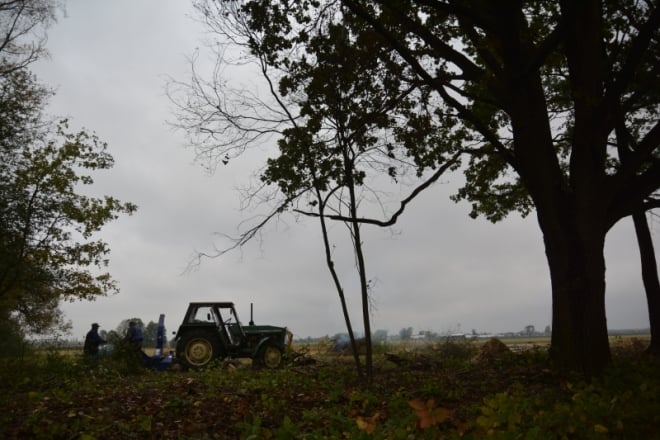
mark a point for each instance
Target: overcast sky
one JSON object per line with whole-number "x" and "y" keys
{"x": 436, "y": 270}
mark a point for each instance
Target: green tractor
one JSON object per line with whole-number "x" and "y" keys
{"x": 211, "y": 331}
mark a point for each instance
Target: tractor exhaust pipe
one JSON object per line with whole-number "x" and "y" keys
{"x": 251, "y": 318}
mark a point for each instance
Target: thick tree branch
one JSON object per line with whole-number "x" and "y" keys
{"x": 651, "y": 203}
{"x": 466, "y": 115}
{"x": 631, "y": 64}
{"x": 635, "y": 188}
{"x": 543, "y": 50}
{"x": 393, "y": 219}
{"x": 470, "y": 70}
{"x": 458, "y": 8}
{"x": 639, "y": 154}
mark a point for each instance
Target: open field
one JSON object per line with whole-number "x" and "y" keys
{"x": 445, "y": 390}
{"x": 516, "y": 343}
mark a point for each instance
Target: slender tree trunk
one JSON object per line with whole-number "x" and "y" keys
{"x": 362, "y": 271}
{"x": 649, "y": 277}
{"x": 364, "y": 289}
{"x": 340, "y": 290}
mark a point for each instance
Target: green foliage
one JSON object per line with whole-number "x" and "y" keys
{"x": 607, "y": 408}
{"x": 48, "y": 252}
{"x": 348, "y": 129}
{"x": 47, "y": 224}
{"x": 12, "y": 339}
{"x": 125, "y": 359}
{"x": 541, "y": 104}
{"x": 545, "y": 106}
{"x": 455, "y": 353}
{"x": 52, "y": 391}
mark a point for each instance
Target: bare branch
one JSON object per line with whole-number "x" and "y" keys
{"x": 23, "y": 25}
{"x": 392, "y": 220}
{"x": 247, "y": 236}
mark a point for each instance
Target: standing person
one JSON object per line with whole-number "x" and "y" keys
{"x": 134, "y": 335}
{"x": 92, "y": 342}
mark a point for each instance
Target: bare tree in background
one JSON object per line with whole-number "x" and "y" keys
{"x": 23, "y": 25}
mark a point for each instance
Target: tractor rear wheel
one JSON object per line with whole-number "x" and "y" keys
{"x": 270, "y": 356}
{"x": 198, "y": 349}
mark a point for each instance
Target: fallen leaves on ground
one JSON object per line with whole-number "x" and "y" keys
{"x": 406, "y": 399}
{"x": 429, "y": 414}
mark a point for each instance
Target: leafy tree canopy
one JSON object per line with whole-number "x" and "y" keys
{"x": 554, "y": 106}
{"x": 47, "y": 223}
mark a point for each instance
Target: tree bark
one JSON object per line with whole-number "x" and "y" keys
{"x": 571, "y": 215}
{"x": 335, "y": 278}
{"x": 649, "y": 278}
{"x": 349, "y": 160}
{"x": 577, "y": 272}
{"x": 570, "y": 207}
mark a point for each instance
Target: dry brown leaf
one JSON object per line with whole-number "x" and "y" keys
{"x": 367, "y": 424}
{"x": 428, "y": 414}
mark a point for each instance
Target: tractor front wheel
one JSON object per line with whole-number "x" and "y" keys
{"x": 197, "y": 349}
{"x": 271, "y": 356}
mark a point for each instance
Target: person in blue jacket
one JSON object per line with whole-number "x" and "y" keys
{"x": 134, "y": 335}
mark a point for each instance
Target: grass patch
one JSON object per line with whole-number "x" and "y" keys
{"x": 449, "y": 390}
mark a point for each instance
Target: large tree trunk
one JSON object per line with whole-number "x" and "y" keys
{"x": 571, "y": 214}
{"x": 649, "y": 277}
{"x": 570, "y": 206}
{"x": 575, "y": 252}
